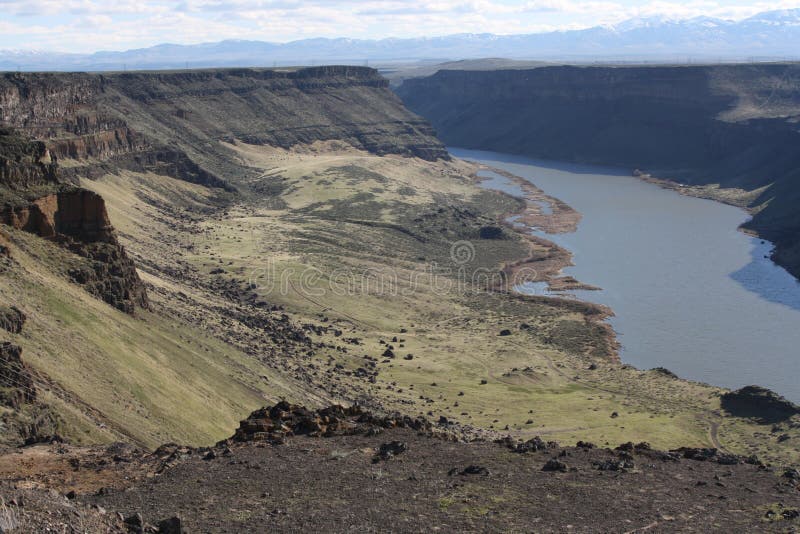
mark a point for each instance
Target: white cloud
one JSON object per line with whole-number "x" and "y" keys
{"x": 88, "y": 25}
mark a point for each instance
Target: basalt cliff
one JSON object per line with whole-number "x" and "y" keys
{"x": 732, "y": 125}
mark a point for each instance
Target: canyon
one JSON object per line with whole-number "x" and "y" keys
{"x": 726, "y": 131}
{"x": 183, "y": 248}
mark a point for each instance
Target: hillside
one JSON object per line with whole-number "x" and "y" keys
{"x": 408, "y": 470}
{"x": 296, "y": 235}
{"x": 727, "y": 125}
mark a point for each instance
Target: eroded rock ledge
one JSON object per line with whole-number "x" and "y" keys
{"x": 35, "y": 201}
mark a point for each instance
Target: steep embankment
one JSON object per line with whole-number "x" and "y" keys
{"x": 73, "y": 364}
{"x": 172, "y": 121}
{"x": 728, "y": 125}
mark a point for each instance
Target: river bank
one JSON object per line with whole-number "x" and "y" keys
{"x": 689, "y": 291}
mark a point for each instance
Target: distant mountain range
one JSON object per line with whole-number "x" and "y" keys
{"x": 768, "y": 35}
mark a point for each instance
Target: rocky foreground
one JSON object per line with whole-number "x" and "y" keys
{"x": 288, "y": 469}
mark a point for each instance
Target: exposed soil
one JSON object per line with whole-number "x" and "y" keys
{"x": 427, "y": 483}
{"x": 421, "y": 478}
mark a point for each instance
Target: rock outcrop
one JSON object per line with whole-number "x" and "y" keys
{"x": 733, "y": 125}
{"x": 79, "y": 214}
{"x": 175, "y": 123}
{"x": 760, "y": 403}
{"x": 275, "y": 423}
{"x": 23, "y": 163}
{"x": 16, "y": 383}
{"x": 36, "y": 201}
{"x": 12, "y": 319}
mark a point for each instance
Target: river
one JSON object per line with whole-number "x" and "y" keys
{"x": 689, "y": 291}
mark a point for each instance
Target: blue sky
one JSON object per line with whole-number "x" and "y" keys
{"x": 91, "y": 25}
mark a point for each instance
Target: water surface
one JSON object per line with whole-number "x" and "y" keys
{"x": 690, "y": 292}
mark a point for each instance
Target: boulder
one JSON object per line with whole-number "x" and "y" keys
{"x": 389, "y": 450}
{"x": 172, "y": 525}
{"x": 12, "y": 319}
{"x": 555, "y": 465}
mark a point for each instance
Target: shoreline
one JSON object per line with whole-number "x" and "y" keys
{"x": 549, "y": 268}
{"x": 531, "y": 213}
{"x": 562, "y": 219}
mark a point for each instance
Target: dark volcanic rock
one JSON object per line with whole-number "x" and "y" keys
{"x": 491, "y": 232}
{"x": 24, "y": 163}
{"x": 555, "y": 465}
{"x": 16, "y": 382}
{"x": 390, "y": 450}
{"x": 12, "y": 319}
{"x": 613, "y": 464}
{"x": 469, "y": 470}
{"x": 534, "y": 444}
{"x": 274, "y": 424}
{"x": 760, "y": 403}
{"x": 173, "y": 525}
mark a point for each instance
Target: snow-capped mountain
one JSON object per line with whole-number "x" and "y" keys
{"x": 768, "y": 35}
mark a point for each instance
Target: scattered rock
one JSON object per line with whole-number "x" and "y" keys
{"x": 555, "y": 465}
{"x": 470, "y": 470}
{"x": 390, "y": 450}
{"x": 792, "y": 474}
{"x": 274, "y": 424}
{"x": 170, "y": 526}
{"x": 614, "y": 464}
{"x": 791, "y": 514}
{"x": 491, "y": 232}
{"x": 532, "y": 445}
{"x": 135, "y": 523}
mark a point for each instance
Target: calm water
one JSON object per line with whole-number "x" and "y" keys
{"x": 691, "y": 293}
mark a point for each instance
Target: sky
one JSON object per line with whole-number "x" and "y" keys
{"x": 82, "y": 26}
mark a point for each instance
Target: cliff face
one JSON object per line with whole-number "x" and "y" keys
{"x": 173, "y": 122}
{"x": 176, "y": 124}
{"x": 35, "y": 200}
{"x": 732, "y": 125}
{"x": 23, "y": 163}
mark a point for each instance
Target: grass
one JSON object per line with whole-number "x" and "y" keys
{"x": 316, "y": 248}
{"x": 147, "y": 377}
